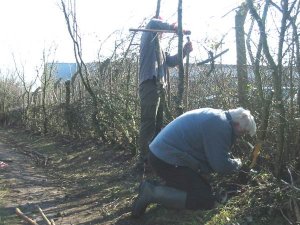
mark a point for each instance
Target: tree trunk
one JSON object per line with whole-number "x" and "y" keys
{"x": 82, "y": 68}
{"x": 276, "y": 75}
{"x": 187, "y": 64}
{"x": 68, "y": 113}
{"x": 265, "y": 100}
{"x": 179, "y": 105}
{"x": 241, "y": 55}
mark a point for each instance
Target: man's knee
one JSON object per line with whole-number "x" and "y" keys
{"x": 148, "y": 112}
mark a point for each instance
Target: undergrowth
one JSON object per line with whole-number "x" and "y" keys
{"x": 5, "y": 215}
{"x": 106, "y": 173}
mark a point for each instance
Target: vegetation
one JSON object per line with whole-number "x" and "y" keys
{"x": 5, "y": 216}
{"x": 99, "y": 105}
{"x": 100, "y": 187}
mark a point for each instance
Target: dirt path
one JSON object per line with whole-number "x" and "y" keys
{"x": 90, "y": 183}
{"x": 95, "y": 196}
{"x": 27, "y": 184}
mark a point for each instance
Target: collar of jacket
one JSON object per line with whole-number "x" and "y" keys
{"x": 233, "y": 136}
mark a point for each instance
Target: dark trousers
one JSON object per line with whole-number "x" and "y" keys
{"x": 151, "y": 115}
{"x": 198, "y": 189}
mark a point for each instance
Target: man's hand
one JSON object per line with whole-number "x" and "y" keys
{"x": 188, "y": 47}
{"x": 239, "y": 162}
{"x": 185, "y": 32}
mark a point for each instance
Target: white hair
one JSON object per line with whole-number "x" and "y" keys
{"x": 244, "y": 118}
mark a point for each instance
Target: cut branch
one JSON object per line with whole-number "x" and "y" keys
{"x": 44, "y": 216}
{"x": 210, "y": 59}
{"x": 25, "y": 218}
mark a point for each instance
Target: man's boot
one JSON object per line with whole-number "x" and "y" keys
{"x": 166, "y": 196}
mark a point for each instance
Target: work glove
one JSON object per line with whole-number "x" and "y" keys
{"x": 245, "y": 174}
{"x": 188, "y": 47}
{"x": 185, "y": 32}
{"x": 239, "y": 163}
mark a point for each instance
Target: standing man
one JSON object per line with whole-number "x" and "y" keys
{"x": 188, "y": 149}
{"x": 150, "y": 80}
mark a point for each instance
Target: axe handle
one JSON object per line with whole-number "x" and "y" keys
{"x": 255, "y": 153}
{"x": 155, "y": 30}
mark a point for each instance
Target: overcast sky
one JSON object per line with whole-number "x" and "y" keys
{"x": 29, "y": 26}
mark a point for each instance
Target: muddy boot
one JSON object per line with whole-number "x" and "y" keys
{"x": 166, "y": 196}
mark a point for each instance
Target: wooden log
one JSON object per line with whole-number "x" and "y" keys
{"x": 25, "y": 218}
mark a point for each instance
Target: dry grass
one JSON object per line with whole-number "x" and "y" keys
{"x": 99, "y": 185}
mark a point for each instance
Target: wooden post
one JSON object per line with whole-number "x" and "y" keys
{"x": 180, "y": 64}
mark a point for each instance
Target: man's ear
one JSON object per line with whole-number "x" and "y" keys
{"x": 236, "y": 125}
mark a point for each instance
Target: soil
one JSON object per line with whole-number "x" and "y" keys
{"x": 89, "y": 183}
{"x": 79, "y": 185}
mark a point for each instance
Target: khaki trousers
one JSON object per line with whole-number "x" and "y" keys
{"x": 151, "y": 116}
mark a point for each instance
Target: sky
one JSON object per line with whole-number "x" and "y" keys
{"x": 30, "y": 27}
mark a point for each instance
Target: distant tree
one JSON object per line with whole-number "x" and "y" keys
{"x": 10, "y": 93}
{"x": 27, "y": 87}
{"x": 46, "y": 80}
{"x": 71, "y": 20}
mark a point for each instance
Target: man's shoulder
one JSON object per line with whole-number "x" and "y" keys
{"x": 158, "y": 24}
{"x": 206, "y": 113}
{"x": 214, "y": 120}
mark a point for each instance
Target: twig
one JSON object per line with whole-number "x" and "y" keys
{"x": 44, "y": 216}
{"x": 291, "y": 177}
{"x": 291, "y": 186}
{"x": 6, "y": 160}
{"x": 24, "y": 217}
{"x": 297, "y": 211}
{"x": 40, "y": 158}
{"x": 212, "y": 63}
{"x": 285, "y": 217}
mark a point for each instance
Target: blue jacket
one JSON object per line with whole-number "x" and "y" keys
{"x": 200, "y": 139}
{"x": 148, "y": 63}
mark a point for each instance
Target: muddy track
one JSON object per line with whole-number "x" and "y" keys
{"x": 27, "y": 184}
{"x": 65, "y": 201}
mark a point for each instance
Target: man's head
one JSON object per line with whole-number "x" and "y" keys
{"x": 243, "y": 121}
{"x": 160, "y": 34}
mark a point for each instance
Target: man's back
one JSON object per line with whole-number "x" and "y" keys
{"x": 200, "y": 139}
{"x": 148, "y": 48}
